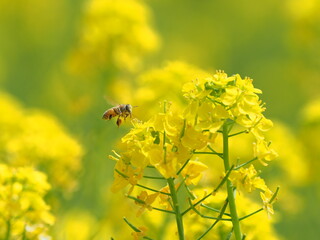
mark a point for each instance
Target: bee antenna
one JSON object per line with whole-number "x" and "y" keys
{"x": 135, "y": 106}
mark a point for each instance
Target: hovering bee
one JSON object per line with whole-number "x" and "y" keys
{"x": 122, "y": 111}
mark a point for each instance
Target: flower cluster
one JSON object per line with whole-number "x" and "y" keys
{"x": 34, "y": 138}
{"x": 218, "y": 98}
{"x": 23, "y": 209}
{"x": 165, "y": 142}
{"x": 174, "y": 144}
{"x": 115, "y": 33}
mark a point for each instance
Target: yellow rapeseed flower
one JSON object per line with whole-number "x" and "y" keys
{"x": 114, "y": 33}
{"x": 247, "y": 179}
{"x": 145, "y": 201}
{"x": 266, "y": 197}
{"x": 235, "y": 95}
{"x": 175, "y": 143}
{"x": 23, "y": 209}
{"x": 32, "y": 137}
{"x": 263, "y": 152}
{"x": 193, "y": 172}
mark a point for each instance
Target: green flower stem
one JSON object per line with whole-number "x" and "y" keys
{"x": 183, "y": 166}
{"x": 235, "y": 134}
{"x": 144, "y": 203}
{"x": 176, "y": 208}
{"x": 173, "y": 192}
{"x": 243, "y": 164}
{"x": 213, "y": 209}
{"x": 151, "y": 189}
{"x": 24, "y": 237}
{"x": 8, "y": 233}
{"x": 223, "y": 209}
{"x": 135, "y": 228}
{"x": 249, "y": 215}
{"x": 182, "y": 183}
{"x": 212, "y": 153}
{"x": 152, "y": 177}
{"x": 231, "y": 199}
{"x": 211, "y": 193}
{"x": 220, "y": 218}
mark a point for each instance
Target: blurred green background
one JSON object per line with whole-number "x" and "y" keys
{"x": 277, "y": 43}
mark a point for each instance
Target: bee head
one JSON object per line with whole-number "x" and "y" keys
{"x": 128, "y": 108}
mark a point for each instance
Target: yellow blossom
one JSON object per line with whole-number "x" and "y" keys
{"x": 267, "y": 205}
{"x": 125, "y": 174}
{"x": 247, "y": 179}
{"x": 145, "y": 201}
{"x": 193, "y": 172}
{"x": 260, "y": 129}
{"x": 190, "y": 134}
{"x": 235, "y": 95}
{"x": 114, "y": 33}
{"x": 39, "y": 140}
{"x": 164, "y": 199}
{"x": 22, "y": 204}
{"x": 263, "y": 151}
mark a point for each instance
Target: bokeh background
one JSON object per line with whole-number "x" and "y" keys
{"x": 71, "y": 60}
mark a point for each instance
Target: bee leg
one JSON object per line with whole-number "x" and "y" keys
{"x": 119, "y": 121}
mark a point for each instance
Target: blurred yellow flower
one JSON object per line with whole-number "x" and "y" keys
{"x": 35, "y": 138}
{"x": 115, "y": 33}
{"x": 76, "y": 224}
{"x": 23, "y": 209}
{"x": 309, "y": 136}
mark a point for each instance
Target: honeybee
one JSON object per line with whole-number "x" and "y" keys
{"x": 122, "y": 111}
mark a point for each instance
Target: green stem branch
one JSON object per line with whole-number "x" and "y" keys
{"x": 134, "y": 228}
{"x": 176, "y": 208}
{"x": 151, "y": 189}
{"x": 231, "y": 198}
{"x": 223, "y": 209}
{"x": 246, "y": 163}
{"x": 211, "y": 193}
{"x": 8, "y": 233}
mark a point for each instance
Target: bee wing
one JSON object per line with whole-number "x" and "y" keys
{"x": 110, "y": 101}
{"x": 109, "y": 113}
